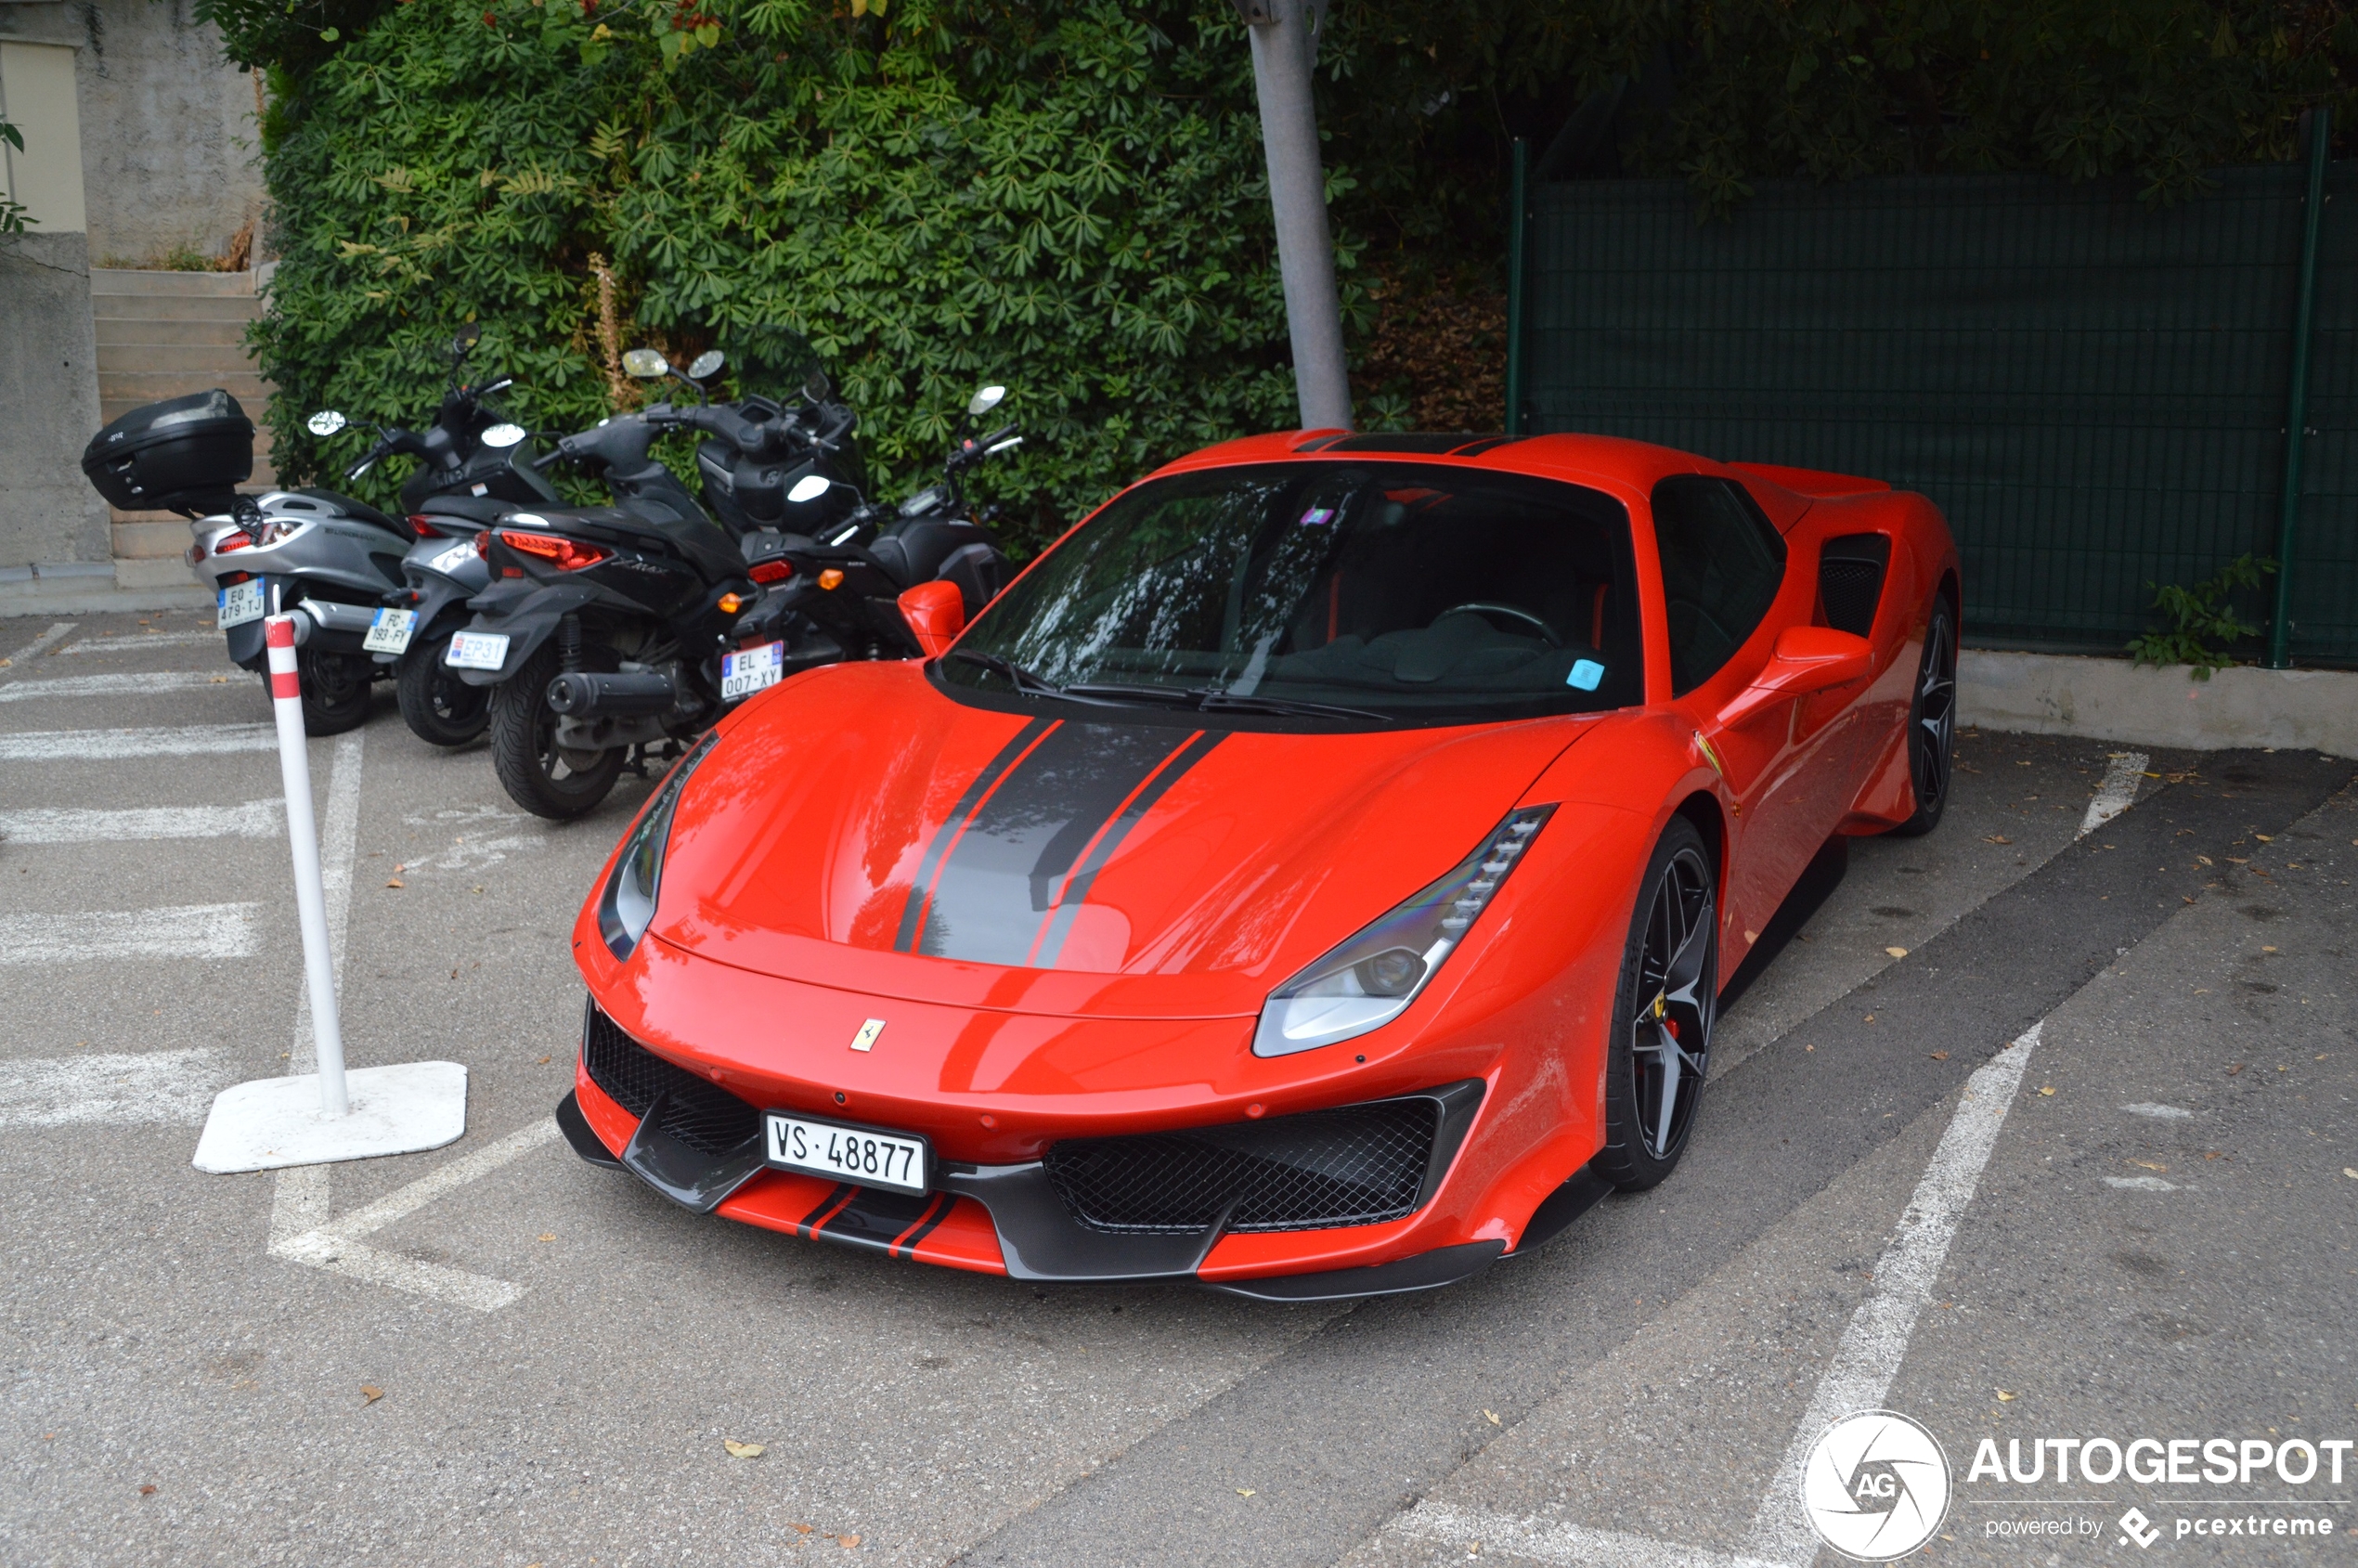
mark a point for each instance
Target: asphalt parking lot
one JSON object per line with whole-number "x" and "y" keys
{"x": 2038, "y": 1128}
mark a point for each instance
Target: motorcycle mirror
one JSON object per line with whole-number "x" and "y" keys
{"x": 469, "y": 335}
{"x": 987, "y": 399}
{"x": 705, "y": 364}
{"x": 645, "y": 363}
{"x": 815, "y": 386}
{"x": 503, "y": 435}
{"x": 327, "y": 422}
{"x": 809, "y": 488}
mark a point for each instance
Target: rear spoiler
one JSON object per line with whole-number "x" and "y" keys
{"x": 1814, "y": 483}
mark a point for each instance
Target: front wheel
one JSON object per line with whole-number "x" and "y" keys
{"x": 541, "y": 776}
{"x": 1663, "y": 1014}
{"x": 334, "y": 689}
{"x": 435, "y": 704}
{"x": 1932, "y": 724}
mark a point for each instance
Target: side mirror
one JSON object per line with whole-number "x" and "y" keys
{"x": 646, "y": 364}
{"x": 327, "y": 422}
{"x": 936, "y": 612}
{"x": 705, "y": 364}
{"x": 1807, "y": 658}
{"x": 984, "y": 401}
{"x": 816, "y": 386}
{"x": 503, "y": 435}
{"x": 809, "y": 488}
{"x": 469, "y": 335}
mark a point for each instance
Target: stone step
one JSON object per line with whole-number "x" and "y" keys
{"x": 155, "y": 574}
{"x": 136, "y": 280}
{"x": 172, "y": 308}
{"x": 193, "y": 359}
{"x": 132, "y": 388}
{"x": 151, "y": 541}
{"x": 117, "y": 331}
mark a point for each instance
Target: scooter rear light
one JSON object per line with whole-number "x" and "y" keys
{"x": 566, "y": 555}
{"x": 424, "y": 526}
{"x": 231, "y": 579}
{"x": 233, "y": 541}
{"x": 772, "y": 572}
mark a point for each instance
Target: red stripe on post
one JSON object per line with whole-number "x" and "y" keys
{"x": 286, "y": 686}
{"x": 279, "y": 631}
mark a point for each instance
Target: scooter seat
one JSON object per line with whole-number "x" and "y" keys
{"x": 482, "y": 511}
{"x": 364, "y": 511}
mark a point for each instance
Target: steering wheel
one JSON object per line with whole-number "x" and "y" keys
{"x": 1482, "y": 607}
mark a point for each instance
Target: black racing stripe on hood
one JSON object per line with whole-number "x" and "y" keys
{"x": 1075, "y": 892}
{"x": 930, "y": 864}
{"x": 1001, "y": 881}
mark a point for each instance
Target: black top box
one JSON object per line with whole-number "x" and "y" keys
{"x": 184, "y": 454}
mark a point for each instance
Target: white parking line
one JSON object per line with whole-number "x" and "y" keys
{"x": 121, "y": 1088}
{"x": 186, "y": 931}
{"x": 109, "y": 745}
{"x": 122, "y": 685}
{"x": 1856, "y": 1377}
{"x": 255, "y": 819}
{"x": 2117, "y": 794}
{"x": 33, "y": 649}
{"x": 144, "y": 640}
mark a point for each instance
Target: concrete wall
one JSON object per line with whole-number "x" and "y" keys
{"x": 48, "y": 402}
{"x": 169, "y": 147}
{"x": 2113, "y": 700}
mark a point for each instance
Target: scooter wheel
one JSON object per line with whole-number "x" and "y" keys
{"x": 541, "y": 776}
{"x": 437, "y": 705}
{"x": 335, "y": 691}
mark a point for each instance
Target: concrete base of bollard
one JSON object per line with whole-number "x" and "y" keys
{"x": 271, "y": 1122}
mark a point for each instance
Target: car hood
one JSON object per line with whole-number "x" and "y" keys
{"x": 858, "y": 828}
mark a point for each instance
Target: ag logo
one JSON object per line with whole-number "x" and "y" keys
{"x": 1875, "y": 1485}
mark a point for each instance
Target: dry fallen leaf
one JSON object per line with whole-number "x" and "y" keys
{"x": 2047, "y": 1089}
{"x": 2267, "y": 949}
{"x": 370, "y": 1394}
{"x": 2351, "y": 1173}
{"x": 2148, "y": 1165}
{"x": 2206, "y": 860}
{"x": 1897, "y": 951}
{"x": 742, "y": 1450}
{"x": 548, "y": 1235}
{"x": 2235, "y": 1070}
{"x": 2266, "y": 837}
{"x": 2213, "y": 1154}
{"x": 846, "y": 1542}
{"x": 395, "y": 882}
{"x": 1244, "y": 1491}
{"x": 794, "y": 1525}
{"x": 147, "y": 1489}
{"x": 542, "y": 1062}
{"x": 1871, "y": 1018}
{"x": 1492, "y": 1416}
{"x": 2005, "y": 1397}
{"x": 1941, "y": 1056}
{"x": 1995, "y": 839}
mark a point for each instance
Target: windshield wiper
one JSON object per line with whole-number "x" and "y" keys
{"x": 1207, "y": 699}
{"x": 1023, "y": 679}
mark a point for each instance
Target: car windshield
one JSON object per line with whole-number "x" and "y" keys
{"x": 1353, "y": 592}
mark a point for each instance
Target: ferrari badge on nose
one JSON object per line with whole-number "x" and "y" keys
{"x": 866, "y": 1039}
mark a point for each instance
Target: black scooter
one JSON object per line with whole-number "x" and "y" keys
{"x": 610, "y": 634}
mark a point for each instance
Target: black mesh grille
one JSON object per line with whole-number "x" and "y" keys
{"x": 699, "y": 1113}
{"x": 1850, "y": 581}
{"x": 1353, "y": 1166}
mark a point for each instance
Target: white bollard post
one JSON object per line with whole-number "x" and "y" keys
{"x": 308, "y": 1119}
{"x": 303, "y": 837}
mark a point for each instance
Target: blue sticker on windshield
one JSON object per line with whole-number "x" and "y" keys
{"x": 1316, "y": 515}
{"x": 1586, "y": 674}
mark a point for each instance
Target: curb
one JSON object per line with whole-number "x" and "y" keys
{"x": 2113, "y": 700}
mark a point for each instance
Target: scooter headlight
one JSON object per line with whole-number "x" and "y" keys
{"x": 628, "y": 906}
{"x": 1370, "y": 980}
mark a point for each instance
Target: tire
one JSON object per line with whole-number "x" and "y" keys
{"x": 437, "y": 705}
{"x": 538, "y": 776}
{"x": 1932, "y": 724}
{"x": 1663, "y": 1010}
{"x": 335, "y": 688}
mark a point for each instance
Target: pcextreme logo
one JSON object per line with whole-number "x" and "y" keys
{"x": 1875, "y": 1485}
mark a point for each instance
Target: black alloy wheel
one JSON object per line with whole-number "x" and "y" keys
{"x": 437, "y": 705}
{"x": 544, "y": 778}
{"x": 1663, "y": 1014}
{"x": 1932, "y": 723}
{"x": 335, "y": 688}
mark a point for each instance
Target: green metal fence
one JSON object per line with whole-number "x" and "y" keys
{"x": 2094, "y": 391}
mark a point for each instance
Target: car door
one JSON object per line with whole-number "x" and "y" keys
{"x": 1727, "y": 592}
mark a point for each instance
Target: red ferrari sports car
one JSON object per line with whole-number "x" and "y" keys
{"x": 1314, "y": 877}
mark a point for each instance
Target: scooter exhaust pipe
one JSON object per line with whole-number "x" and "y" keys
{"x": 580, "y": 694}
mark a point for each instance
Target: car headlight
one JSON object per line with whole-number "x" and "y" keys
{"x": 1370, "y": 980}
{"x": 629, "y": 904}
